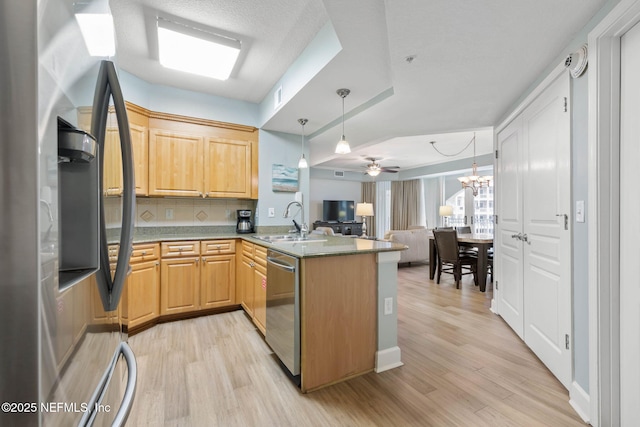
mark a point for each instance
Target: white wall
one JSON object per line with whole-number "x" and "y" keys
{"x": 284, "y": 149}
{"x": 331, "y": 189}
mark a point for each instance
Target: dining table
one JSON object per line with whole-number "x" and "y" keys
{"x": 483, "y": 242}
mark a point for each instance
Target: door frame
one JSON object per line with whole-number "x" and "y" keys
{"x": 604, "y": 203}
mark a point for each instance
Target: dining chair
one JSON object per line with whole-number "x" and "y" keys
{"x": 450, "y": 260}
{"x": 465, "y": 248}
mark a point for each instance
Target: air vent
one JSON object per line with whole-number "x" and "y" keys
{"x": 338, "y": 174}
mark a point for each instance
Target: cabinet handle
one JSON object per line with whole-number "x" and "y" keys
{"x": 144, "y": 253}
{"x": 157, "y": 264}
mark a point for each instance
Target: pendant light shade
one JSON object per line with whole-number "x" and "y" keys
{"x": 343, "y": 145}
{"x": 302, "y": 163}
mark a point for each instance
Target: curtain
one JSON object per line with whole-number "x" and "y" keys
{"x": 369, "y": 196}
{"x": 407, "y": 204}
{"x": 383, "y": 208}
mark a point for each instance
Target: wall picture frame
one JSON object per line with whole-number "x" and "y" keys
{"x": 284, "y": 178}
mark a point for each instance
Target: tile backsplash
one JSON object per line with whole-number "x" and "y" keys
{"x": 164, "y": 212}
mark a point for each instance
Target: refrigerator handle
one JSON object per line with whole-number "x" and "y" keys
{"x": 129, "y": 393}
{"x": 128, "y": 194}
{"x": 127, "y": 400}
{"x": 106, "y": 87}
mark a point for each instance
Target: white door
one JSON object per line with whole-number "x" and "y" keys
{"x": 546, "y": 195}
{"x": 630, "y": 227}
{"x": 508, "y": 247}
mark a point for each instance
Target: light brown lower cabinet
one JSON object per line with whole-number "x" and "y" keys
{"x": 252, "y": 283}
{"x": 244, "y": 283}
{"x": 260, "y": 288}
{"x": 217, "y": 281}
{"x": 197, "y": 276}
{"x": 179, "y": 285}
{"x": 141, "y": 296}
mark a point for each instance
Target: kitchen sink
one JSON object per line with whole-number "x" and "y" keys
{"x": 287, "y": 238}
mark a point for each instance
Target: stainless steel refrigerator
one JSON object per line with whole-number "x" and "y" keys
{"x": 64, "y": 245}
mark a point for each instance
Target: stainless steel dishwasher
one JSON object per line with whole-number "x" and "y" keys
{"x": 283, "y": 308}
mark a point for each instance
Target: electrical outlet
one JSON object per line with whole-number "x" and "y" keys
{"x": 388, "y": 306}
{"x": 272, "y": 212}
{"x": 168, "y": 213}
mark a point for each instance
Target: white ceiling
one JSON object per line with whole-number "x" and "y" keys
{"x": 473, "y": 60}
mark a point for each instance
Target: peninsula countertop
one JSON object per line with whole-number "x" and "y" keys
{"x": 315, "y": 246}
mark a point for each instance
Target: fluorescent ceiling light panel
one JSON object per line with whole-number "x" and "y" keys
{"x": 198, "y": 52}
{"x": 96, "y": 25}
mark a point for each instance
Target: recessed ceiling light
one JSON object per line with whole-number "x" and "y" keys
{"x": 194, "y": 51}
{"x": 96, "y": 25}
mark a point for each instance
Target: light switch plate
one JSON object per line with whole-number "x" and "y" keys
{"x": 272, "y": 212}
{"x": 579, "y": 210}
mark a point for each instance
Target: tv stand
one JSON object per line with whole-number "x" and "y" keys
{"x": 344, "y": 228}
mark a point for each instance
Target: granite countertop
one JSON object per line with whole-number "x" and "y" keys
{"x": 319, "y": 245}
{"x": 316, "y": 246}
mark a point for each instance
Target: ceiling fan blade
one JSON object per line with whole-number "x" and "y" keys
{"x": 388, "y": 170}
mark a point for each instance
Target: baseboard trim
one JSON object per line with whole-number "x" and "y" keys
{"x": 580, "y": 401}
{"x": 388, "y": 358}
{"x": 494, "y": 306}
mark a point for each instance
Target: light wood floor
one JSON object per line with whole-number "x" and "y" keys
{"x": 463, "y": 366}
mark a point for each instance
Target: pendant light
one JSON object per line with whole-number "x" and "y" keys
{"x": 302, "y": 163}
{"x": 343, "y": 144}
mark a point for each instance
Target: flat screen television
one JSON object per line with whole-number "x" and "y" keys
{"x": 338, "y": 210}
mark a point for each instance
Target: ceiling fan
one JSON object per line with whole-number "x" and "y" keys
{"x": 374, "y": 168}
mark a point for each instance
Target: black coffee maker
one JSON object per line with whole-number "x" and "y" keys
{"x": 244, "y": 225}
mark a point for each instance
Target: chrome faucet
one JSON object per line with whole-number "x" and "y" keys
{"x": 304, "y": 229}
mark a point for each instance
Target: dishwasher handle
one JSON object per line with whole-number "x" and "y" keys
{"x": 280, "y": 264}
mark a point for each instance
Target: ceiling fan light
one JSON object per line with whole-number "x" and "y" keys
{"x": 373, "y": 172}
{"x": 343, "y": 146}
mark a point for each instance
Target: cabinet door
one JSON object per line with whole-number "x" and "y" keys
{"x": 217, "y": 281}
{"x": 175, "y": 164}
{"x": 112, "y": 181}
{"x": 245, "y": 281}
{"x": 260, "y": 297}
{"x": 143, "y": 293}
{"x": 140, "y": 143}
{"x": 179, "y": 285}
{"x": 227, "y": 168}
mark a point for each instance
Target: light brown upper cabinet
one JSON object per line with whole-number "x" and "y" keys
{"x": 202, "y": 158}
{"x": 139, "y": 129}
{"x": 227, "y": 168}
{"x": 175, "y": 163}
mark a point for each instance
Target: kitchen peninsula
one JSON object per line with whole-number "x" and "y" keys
{"x": 344, "y": 284}
{"x": 345, "y": 330}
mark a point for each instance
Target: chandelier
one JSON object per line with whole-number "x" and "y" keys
{"x": 474, "y": 181}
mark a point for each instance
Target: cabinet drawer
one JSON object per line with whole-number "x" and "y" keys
{"x": 247, "y": 249}
{"x": 260, "y": 255}
{"x": 175, "y": 249}
{"x": 216, "y": 247}
{"x": 145, "y": 252}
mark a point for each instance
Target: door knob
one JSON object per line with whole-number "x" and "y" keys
{"x": 516, "y": 236}
{"x": 525, "y": 239}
